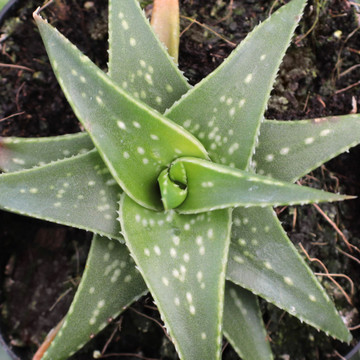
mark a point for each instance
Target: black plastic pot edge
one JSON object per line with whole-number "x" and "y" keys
{"x": 7, "y": 349}
{"x": 9, "y": 9}
{"x": 354, "y": 352}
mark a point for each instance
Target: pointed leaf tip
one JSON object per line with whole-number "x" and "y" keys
{"x": 263, "y": 260}
{"x": 225, "y": 110}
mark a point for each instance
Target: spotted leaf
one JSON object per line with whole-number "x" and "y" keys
{"x": 212, "y": 186}
{"x": 24, "y": 153}
{"x": 134, "y": 140}
{"x": 77, "y": 192}
{"x": 182, "y": 259}
{"x": 138, "y": 62}
{"x": 264, "y": 261}
{"x": 243, "y": 324}
{"x": 109, "y": 284}
{"x": 290, "y": 149}
{"x": 225, "y": 110}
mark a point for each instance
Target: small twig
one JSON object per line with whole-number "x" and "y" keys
{"x": 230, "y": 11}
{"x": 60, "y": 298}
{"x": 352, "y": 328}
{"x": 272, "y": 6}
{"x": 18, "y": 95}
{"x": 13, "y": 115}
{"x": 328, "y": 274}
{"x": 306, "y": 101}
{"x": 352, "y": 34}
{"x": 310, "y": 177}
{"x": 225, "y": 346}
{"x": 339, "y": 355}
{"x": 152, "y": 319}
{"x": 318, "y": 243}
{"x": 73, "y": 281}
{"x": 280, "y": 210}
{"x": 345, "y": 72}
{"x": 302, "y": 37}
{"x": 154, "y": 308}
{"x": 118, "y": 327}
{"x": 355, "y": 248}
{"x": 317, "y": 207}
{"x": 339, "y": 60}
{"x": 347, "y": 88}
{"x": 321, "y": 101}
{"x": 341, "y": 275}
{"x": 356, "y": 51}
{"x": 18, "y": 67}
{"x": 208, "y": 28}
{"x": 186, "y": 29}
{"x": 348, "y": 255}
{"x": 40, "y": 9}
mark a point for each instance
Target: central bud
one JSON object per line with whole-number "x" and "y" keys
{"x": 173, "y": 185}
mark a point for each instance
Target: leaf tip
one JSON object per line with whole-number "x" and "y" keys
{"x": 36, "y": 14}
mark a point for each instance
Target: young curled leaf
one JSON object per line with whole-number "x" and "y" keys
{"x": 212, "y": 186}
{"x": 173, "y": 193}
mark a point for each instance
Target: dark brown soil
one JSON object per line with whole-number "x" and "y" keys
{"x": 40, "y": 263}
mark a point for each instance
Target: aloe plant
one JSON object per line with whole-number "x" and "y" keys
{"x": 178, "y": 184}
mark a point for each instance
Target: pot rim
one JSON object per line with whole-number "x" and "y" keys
{"x": 355, "y": 351}
{"x": 8, "y": 9}
{"x": 6, "y": 348}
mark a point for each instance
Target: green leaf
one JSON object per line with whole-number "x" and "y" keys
{"x": 264, "y": 261}
{"x": 138, "y": 62}
{"x": 109, "y": 284}
{"x": 77, "y": 192}
{"x": 212, "y": 186}
{"x": 135, "y": 141}
{"x": 290, "y": 149}
{"x": 183, "y": 260}
{"x": 243, "y": 324}
{"x": 24, "y": 153}
{"x": 173, "y": 192}
{"x": 224, "y": 111}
